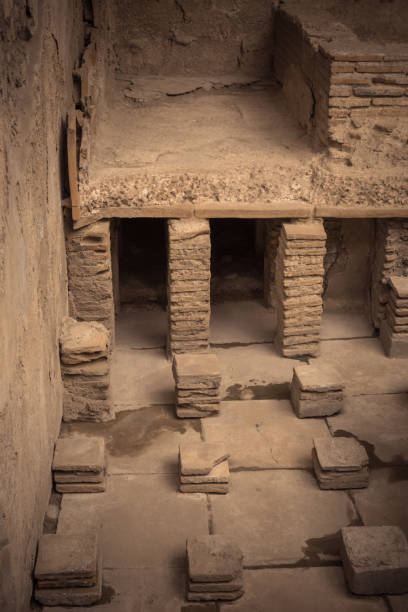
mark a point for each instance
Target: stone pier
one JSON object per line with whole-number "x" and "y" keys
{"x": 391, "y": 258}
{"x": 299, "y": 287}
{"x": 188, "y": 285}
{"x": 89, "y": 264}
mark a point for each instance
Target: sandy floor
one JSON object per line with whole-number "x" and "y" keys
{"x": 287, "y": 527}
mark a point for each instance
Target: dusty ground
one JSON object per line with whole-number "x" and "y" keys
{"x": 286, "y": 526}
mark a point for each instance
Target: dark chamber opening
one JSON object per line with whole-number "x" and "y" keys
{"x": 142, "y": 261}
{"x": 236, "y": 260}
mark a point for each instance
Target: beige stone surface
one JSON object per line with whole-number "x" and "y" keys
{"x": 310, "y": 589}
{"x": 264, "y": 434}
{"x": 379, "y": 421}
{"x": 272, "y": 499}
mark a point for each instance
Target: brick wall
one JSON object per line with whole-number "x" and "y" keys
{"x": 350, "y": 81}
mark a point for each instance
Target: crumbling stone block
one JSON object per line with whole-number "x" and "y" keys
{"x": 340, "y": 463}
{"x": 375, "y": 559}
{"x": 85, "y": 366}
{"x": 316, "y": 390}
{"x": 198, "y": 382}
{"x": 299, "y": 287}
{"x": 79, "y": 465}
{"x": 214, "y": 569}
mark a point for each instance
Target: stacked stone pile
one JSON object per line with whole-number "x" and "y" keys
{"x": 189, "y": 256}
{"x": 316, "y": 390}
{"x": 68, "y": 570}
{"x": 299, "y": 288}
{"x": 85, "y": 363}
{"x": 340, "y": 463}
{"x": 79, "y": 465}
{"x": 394, "y": 329}
{"x": 203, "y": 468}
{"x": 214, "y": 569}
{"x": 198, "y": 382}
{"x": 375, "y": 560}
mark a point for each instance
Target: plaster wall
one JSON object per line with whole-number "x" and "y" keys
{"x": 194, "y": 37}
{"x": 39, "y": 45}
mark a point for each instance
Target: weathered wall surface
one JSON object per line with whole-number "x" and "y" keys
{"x": 206, "y": 37}
{"x": 39, "y": 44}
{"x": 348, "y": 264}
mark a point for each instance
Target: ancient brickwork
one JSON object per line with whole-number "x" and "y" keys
{"x": 90, "y": 274}
{"x": 394, "y": 328}
{"x": 350, "y": 81}
{"x": 272, "y": 231}
{"x": 391, "y": 257}
{"x": 188, "y": 285}
{"x": 299, "y": 288}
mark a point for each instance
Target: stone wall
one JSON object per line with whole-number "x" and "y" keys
{"x": 40, "y": 42}
{"x": 205, "y": 37}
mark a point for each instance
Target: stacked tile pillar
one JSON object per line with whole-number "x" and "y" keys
{"x": 89, "y": 263}
{"x": 272, "y": 231}
{"x": 188, "y": 285}
{"x": 299, "y": 287}
{"x": 391, "y": 257}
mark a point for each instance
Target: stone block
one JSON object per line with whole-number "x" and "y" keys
{"x": 399, "y": 285}
{"x": 213, "y": 487}
{"x": 79, "y": 454}
{"x": 375, "y": 560}
{"x": 72, "y": 596}
{"x": 66, "y": 557}
{"x": 317, "y": 378}
{"x": 237, "y": 584}
{"x": 215, "y": 596}
{"x": 394, "y": 345}
{"x": 198, "y": 411}
{"x": 196, "y": 371}
{"x": 336, "y": 480}
{"x": 85, "y": 487}
{"x": 340, "y": 454}
{"x": 219, "y": 474}
{"x": 213, "y": 558}
{"x": 327, "y": 405}
{"x": 83, "y": 341}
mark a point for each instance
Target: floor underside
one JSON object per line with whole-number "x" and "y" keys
{"x": 287, "y": 527}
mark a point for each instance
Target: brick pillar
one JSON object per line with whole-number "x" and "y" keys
{"x": 299, "y": 287}
{"x": 391, "y": 258}
{"x": 89, "y": 265}
{"x": 272, "y": 231}
{"x": 188, "y": 285}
